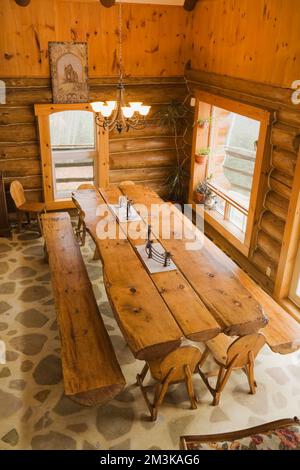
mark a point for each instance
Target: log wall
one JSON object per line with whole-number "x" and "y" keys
{"x": 146, "y": 155}
{"x": 279, "y": 166}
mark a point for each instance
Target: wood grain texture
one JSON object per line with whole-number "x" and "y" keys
{"x": 146, "y": 322}
{"x": 155, "y": 37}
{"x": 251, "y": 40}
{"x": 91, "y": 372}
{"x": 195, "y": 321}
{"x": 215, "y": 283}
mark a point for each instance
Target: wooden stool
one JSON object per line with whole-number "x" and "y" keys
{"x": 22, "y": 206}
{"x": 229, "y": 354}
{"x": 178, "y": 366}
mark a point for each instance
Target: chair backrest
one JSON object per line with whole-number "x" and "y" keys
{"x": 17, "y": 193}
{"x": 86, "y": 186}
{"x": 178, "y": 359}
{"x": 126, "y": 183}
{"x": 242, "y": 346}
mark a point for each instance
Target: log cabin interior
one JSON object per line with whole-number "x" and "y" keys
{"x": 149, "y": 224}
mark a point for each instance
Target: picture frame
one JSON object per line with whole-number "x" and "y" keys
{"x": 69, "y": 71}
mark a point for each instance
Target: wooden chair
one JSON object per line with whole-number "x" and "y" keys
{"x": 86, "y": 186}
{"x": 22, "y": 206}
{"x": 80, "y": 230}
{"x": 231, "y": 354}
{"x": 177, "y": 366}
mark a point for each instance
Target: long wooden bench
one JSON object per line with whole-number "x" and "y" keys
{"x": 91, "y": 371}
{"x": 282, "y": 332}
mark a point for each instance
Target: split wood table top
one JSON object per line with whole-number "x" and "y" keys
{"x": 198, "y": 300}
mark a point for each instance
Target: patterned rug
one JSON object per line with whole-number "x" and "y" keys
{"x": 35, "y": 414}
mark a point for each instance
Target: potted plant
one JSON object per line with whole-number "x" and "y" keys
{"x": 202, "y": 191}
{"x": 202, "y": 122}
{"x": 201, "y": 155}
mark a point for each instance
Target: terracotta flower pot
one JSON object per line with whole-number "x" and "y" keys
{"x": 200, "y": 159}
{"x": 199, "y": 198}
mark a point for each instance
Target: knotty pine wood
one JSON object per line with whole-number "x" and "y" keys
{"x": 91, "y": 372}
{"x": 155, "y": 37}
{"x": 254, "y": 40}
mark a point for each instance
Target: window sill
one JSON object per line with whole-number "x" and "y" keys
{"x": 228, "y": 230}
{"x": 290, "y": 307}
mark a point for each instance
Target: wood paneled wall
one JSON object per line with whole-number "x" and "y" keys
{"x": 252, "y": 39}
{"x": 155, "y": 37}
{"x": 146, "y": 155}
{"x": 280, "y": 161}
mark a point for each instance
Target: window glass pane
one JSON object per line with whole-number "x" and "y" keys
{"x": 73, "y": 150}
{"x": 72, "y": 130}
{"x": 237, "y": 218}
{"x": 220, "y": 205}
{"x": 233, "y": 141}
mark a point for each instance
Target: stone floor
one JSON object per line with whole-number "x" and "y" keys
{"x": 34, "y": 414}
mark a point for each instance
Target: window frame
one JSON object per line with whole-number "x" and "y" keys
{"x": 101, "y": 163}
{"x": 204, "y": 102}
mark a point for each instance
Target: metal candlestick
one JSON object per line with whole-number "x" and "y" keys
{"x": 162, "y": 258}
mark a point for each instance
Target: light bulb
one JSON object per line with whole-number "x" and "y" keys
{"x": 105, "y": 110}
{"x": 96, "y": 106}
{"x": 135, "y": 105}
{"x": 127, "y": 112}
{"x": 144, "y": 110}
{"x": 111, "y": 104}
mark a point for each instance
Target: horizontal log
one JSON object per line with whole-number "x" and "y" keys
{"x": 15, "y": 151}
{"x": 264, "y": 264}
{"x": 276, "y": 204}
{"x": 252, "y": 91}
{"x": 285, "y": 137}
{"x": 22, "y": 82}
{"x": 146, "y": 143}
{"x": 28, "y": 182}
{"x": 268, "y": 246}
{"x": 14, "y": 115}
{"x": 148, "y": 95}
{"x": 18, "y": 133}
{"x": 28, "y": 96}
{"x": 282, "y": 177}
{"x": 278, "y": 186}
{"x": 139, "y": 174}
{"x": 20, "y": 167}
{"x": 272, "y": 226}
{"x": 149, "y": 159}
{"x": 288, "y": 116}
{"x": 284, "y": 160}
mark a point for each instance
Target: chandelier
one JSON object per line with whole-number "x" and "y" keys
{"x": 116, "y": 115}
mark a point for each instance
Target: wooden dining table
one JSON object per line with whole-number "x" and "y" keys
{"x": 199, "y": 299}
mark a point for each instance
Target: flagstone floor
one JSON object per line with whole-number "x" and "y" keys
{"x": 35, "y": 414}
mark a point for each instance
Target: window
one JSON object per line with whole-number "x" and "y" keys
{"x": 73, "y": 151}
{"x": 294, "y": 294}
{"x": 73, "y": 144}
{"x": 233, "y": 134}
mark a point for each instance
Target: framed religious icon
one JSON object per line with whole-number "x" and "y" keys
{"x": 69, "y": 71}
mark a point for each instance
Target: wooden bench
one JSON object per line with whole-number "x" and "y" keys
{"x": 91, "y": 371}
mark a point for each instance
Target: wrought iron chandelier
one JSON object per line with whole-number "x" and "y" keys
{"x": 116, "y": 115}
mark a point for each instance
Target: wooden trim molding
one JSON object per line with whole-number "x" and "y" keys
{"x": 204, "y": 103}
{"x": 291, "y": 239}
{"x": 43, "y": 111}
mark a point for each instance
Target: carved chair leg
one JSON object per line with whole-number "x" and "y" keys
{"x": 140, "y": 377}
{"x": 204, "y": 356}
{"x": 217, "y": 391}
{"x": 83, "y": 234}
{"x": 160, "y": 395}
{"x": 190, "y": 387}
{"x": 28, "y": 217}
{"x": 96, "y": 254}
{"x": 250, "y": 369}
{"x": 38, "y": 216}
